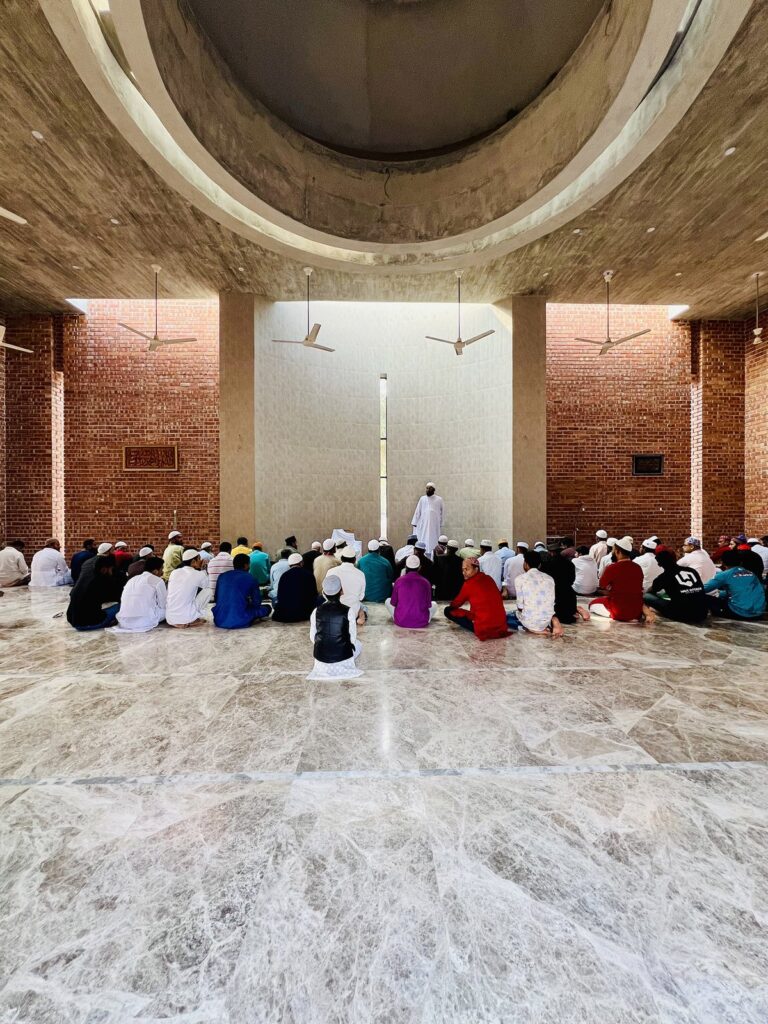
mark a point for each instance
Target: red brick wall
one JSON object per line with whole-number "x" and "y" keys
{"x": 756, "y": 431}
{"x": 603, "y": 409}
{"x": 116, "y": 392}
{"x": 717, "y": 403}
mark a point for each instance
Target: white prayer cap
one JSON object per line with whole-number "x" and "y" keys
{"x": 539, "y": 546}
{"x": 373, "y": 545}
{"x": 453, "y": 544}
{"x": 104, "y": 549}
{"x": 655, "y": 536}
{"x": 413, "y": 562}
{"x": 328, "y": 545}
{"x": 522, "y": 544}
{"x": 430, "y": 484}
{"x": 485, "y": 544}
{"x": 316, "y": 545}
{"x": 601, "y": 535}
{"x": 295, "y": 559}
{"x": 205, "y": 544}
{"x": 331, "y": 585}
{"x": 650, "y": 544}
{"x": 752, "y": 540}
{"x": 420, "y": 545}
{"x": 190, "y": 556}
{"x": 625, "y": 544}
{"x": 611, "y": 541}
{"x": 442, "y": 539}
{"x": 121, "y": 544}
{"x": 348, "y": 552}
{"x": 469, "y": 543}
{"x": 145, "y": 552}
{"x": 173, "y": 533}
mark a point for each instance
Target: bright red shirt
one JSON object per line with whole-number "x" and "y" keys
{"x": 486, "y": 608}
{"x": 624, "y": 582}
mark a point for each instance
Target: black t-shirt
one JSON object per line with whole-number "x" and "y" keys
{"x": 684, "y": 589}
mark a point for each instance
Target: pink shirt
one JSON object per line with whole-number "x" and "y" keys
{"x": 412, "y": 600}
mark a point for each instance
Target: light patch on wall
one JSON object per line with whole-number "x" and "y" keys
{"x": 383, "y": 454}
{"x": 673, "y": 312}
{"x": 81, "y": 304}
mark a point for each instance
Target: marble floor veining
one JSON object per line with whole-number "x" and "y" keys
{"x": 525, "y": 831}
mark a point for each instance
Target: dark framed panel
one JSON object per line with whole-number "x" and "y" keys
{"x": 647, "y": 465}
{"x": 150, "y": 458}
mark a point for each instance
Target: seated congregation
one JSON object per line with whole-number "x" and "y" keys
{"x": 329, "y": 585}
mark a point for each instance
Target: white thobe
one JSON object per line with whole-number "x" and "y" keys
{"x": 701, "y": 562}
{"x": 513, "y": 567}
{"x": 586, "y": 575}
{"x": 12, "y": 566}
{"x": 345, "y": 537}
{"x": 605, "y": 561}
{"x": 187, "y": 596}
{"x": 49, "y": 569}
{"x": 428, "y": 521}
{"x": 402, "y": 553}
{"x": 142, "y": 603}
{"x": 598, "y": 551}
{"x": 491, "y": 565}
{"x": 352, "y": 584}
{"x": 651, "y": 569}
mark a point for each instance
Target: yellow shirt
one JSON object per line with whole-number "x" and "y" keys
{"x": 171, "y": 559}
{"x": 241, "y": 549}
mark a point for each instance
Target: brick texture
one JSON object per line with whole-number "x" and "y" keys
{"x": 756, "y": 431}
{"x": 603, "y": 409}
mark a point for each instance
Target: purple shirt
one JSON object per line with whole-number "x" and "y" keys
{"x": 412, "y": 600}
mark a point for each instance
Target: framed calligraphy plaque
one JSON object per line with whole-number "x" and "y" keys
{"x": 150, "y": 458}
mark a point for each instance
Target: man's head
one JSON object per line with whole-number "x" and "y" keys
{"x": 601, "y": 535}
{"x": 502, "y": 544}
{"x": 469, "y": 543}
{"x": 104, "y": 548}
{"x": 18, "y": 544}
{"x": 291, "y": 542}
{"x": 420, "y": 548}
{"x": 285, "y": 554}
{"x": 146, "y": 551}
{"x": 191, "y": 557}
{"x": 521, "y": 547}
{"x": 348, "y": 555}
{"x": 442, "y": 539}
{"x": 470, "y": 567}
{"x": 88, "y": 545}
{"x": 541, "y": 547}
{"x": 752, "y": 541}
{"x": 53, "y": 543}
{"x": 691, "y": 544}
{"x": 666, "y": 560}
{"x": 295, "y": 561}
{"x": 174, "y": 537}
{"x": 764, "y": 541}
{"x": 242, "y": 542}
{"x": 316, "y": 545}
{"x": 622, "y": 548}
{"x": 225, "y": 547}
{"x": 648, "y": 546}
{"x": 256, "y": 546}
{"x": 723, "y": 539}
{"x": 412, "y": 539}
{"x": 412, "y": 563}
{"x": 582, "y": 549}
{"x": 121, "y": 546}
{"x": 206, "y": 545}
{"x": 567, "y": 542}
{"x": 373, "y": 546}
{"x": 486, "y": 546}
{"x": 430, "y": 489}
{"x": 332, "y": 588}
{"x": 105, "y": 564}
{"x": 532, "y": 560}
{"x": 241, "y": 561}
{"x": 730, "y": 559}
{"x": 154, "y": 565}
{"x": 328, "y": 546}
{"x": 453, "y": 547}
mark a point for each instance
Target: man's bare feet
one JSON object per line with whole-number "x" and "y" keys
{"x": 557, "y": 627}
{"x": 583, "y": 613}
{"x": 649, "y": 616}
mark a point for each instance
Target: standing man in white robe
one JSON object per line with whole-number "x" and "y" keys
{"x": 428, "y": 519}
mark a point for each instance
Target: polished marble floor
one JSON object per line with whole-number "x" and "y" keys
{"x": 524, "y": 831}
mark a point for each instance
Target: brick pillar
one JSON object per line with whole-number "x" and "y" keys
{"x": 717, "y": 428}
{"x": 34, "y": 414}
{"x": 236, "y": 415}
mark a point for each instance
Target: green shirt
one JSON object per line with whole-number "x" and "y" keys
{"x": 378, "y": 574}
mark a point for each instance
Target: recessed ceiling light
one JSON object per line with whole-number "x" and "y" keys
{"x": 679, "y": 273}
{"x": 545, "y": 274}
{"x": 649, "y": 231}
{"x": 11, "y": 216}
{"x": 38, "y": 135}
{"x": 241, "y": 269}
{"x": 75, "y": 266}
{"x": 577, "y": 231}
{"x": 113, "y": 220}
{"x": 730, "y": 151}
{"x": 762, "y": 238}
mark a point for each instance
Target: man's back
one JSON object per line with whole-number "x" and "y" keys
{"x": 259, "y": 566}
{"x": 378, "y": 576}
{"x": 491, "y": 565}
{"x": 352, "y": 583}
{"x": 485, "y": 605}
{"x": 586, "y": 574}
{"x": 13, "y": 566}
{"x": 624, "y": 582}
{"x": 745, "y": 593}
{"x": 535, "y": 600}
{"x": 237, "y": 593}
{"x": 412, "y": 601}
{"x": 321, "y": 568}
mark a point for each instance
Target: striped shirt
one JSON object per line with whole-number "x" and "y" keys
{"x": 218, "y": 564}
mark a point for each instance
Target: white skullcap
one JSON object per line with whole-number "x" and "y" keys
{"x": 601, "y": 535}
{"x": 442, "y": 539}
{"x": 625, "y": 544}
{"x": 145, "y": 552}
{"x": 453, "y": 544}
{"x": 173, "y": 533}
{"x": 654, "y": 536}
{"x": 328, "y": 545}
{"x": 206, "y": 544}
{"x": 611, "y": 541}
{"x": 331, "y": 585}
{"x": 413, "y": 562}
{"x": 522, "y": 544}
{"x": 485, "y": 544}
{"x": 348, "y": 552}
{"x": 649, "y": 544}
{"x": 104, "y": 549}
{"x": 190, "y": 556}
{"x": 295, "y": 559}
{"x": 469, "y": 543}
{"x": 121, "y": 544}
{"x": 430, "y": 483}
{"x": 752, "y": 540}
{"x": 316, "y": 545}
{"x": 373, "y": 545}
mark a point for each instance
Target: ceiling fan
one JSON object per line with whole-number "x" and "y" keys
{"x": 6, "y": 344}
{"x": 757, "y": 330}
{"x": 310, "y": 338}
{"x": 460, "y": 344}
{"x": 609, "y": 343}
{"x": 155, "y": 341}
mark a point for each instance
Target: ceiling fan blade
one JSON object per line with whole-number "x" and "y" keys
{"x": 286, "y": 341}
{"x": 133, "y": 330}
{"x": 313, "y": 333}
{"x": 477, "y": 337}
{"x": 629, "y": 337}
{"x": 590, "y": 341}
{"x": 174, "y": 341}
{"x": 444, "y": 340}
{"x": 16, "y": 348}
{"x": 323, "y": 348}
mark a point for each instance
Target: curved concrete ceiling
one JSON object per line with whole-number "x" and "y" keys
{"x": 394, "y": 77}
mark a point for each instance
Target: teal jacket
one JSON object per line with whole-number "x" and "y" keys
{"x": 743, "y": 589}
{"x": 379, "y": 575}
{"x": 259, "y": 568}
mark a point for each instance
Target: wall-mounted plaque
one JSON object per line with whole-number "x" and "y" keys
{"x": 647, "y": 465}
{"x": 151, "y": 458}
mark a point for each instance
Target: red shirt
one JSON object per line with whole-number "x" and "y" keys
{"x": 486, "y": 608}
{"x": 123, "y": 559}
{"x": 624, "y": 582}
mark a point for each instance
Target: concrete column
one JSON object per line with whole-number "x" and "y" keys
{"x": 527, "y": 318}
{"x": 236, "y": 415}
